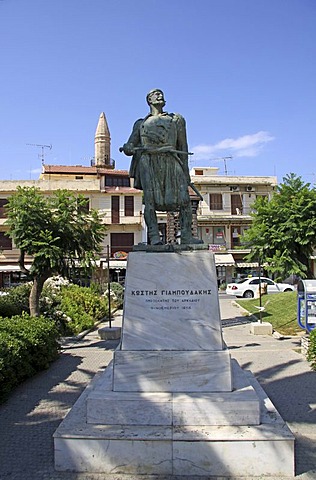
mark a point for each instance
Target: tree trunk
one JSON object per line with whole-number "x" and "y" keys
{"x": 35, "y": 294}
{"x": 306, "y": 261}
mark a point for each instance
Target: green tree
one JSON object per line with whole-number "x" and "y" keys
{"x": 283, "y": 231}
{"x": 56, "y": 231}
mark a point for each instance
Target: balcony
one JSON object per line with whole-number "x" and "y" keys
{"x": 110, "y": 165}
{"x": 124, "y": 220}
{"x": 205, "y": 212}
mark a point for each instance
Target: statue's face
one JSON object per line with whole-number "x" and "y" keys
{"x": 156, "y": 98}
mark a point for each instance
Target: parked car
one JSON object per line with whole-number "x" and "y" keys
{"x": 247, "y": 287}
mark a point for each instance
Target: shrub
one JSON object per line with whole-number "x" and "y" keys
{"x": 27, "y": 345}
{"x": 97, "y": 288}
{"x": 81, "y": 308}
{"x": 16, "y": 301}
{"x": 118, "y": 291}
{"x": 7, "y": 308}
{"x": 311, "y": 353}
{"x": 12, "y": 367}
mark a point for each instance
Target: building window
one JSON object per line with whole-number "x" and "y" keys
{"x": 79, "y": 177}
{"x": 115, "y": 209}
{"x": 219, "y": 235}
{"x": 216, "y": 201}
{"x": 236, "y": 204}
{"x": 121, "y": 242}
{"x": 129, "y": 206}
{"x": 5, "y": 242}
{"x": 236, "y": 234}
{"x": 3, "y": 202}
{"x": 215, "y": 235}
{"x": 117, "y": 181}
{"x": 198, "y": 172}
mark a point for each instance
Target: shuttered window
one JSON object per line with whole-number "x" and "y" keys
{"x": 121, "y": 242}
{"x": 5, "y": 242}
{"x": 117, "y": 181}
{"x": 115, "y": 209}
{"x": 3, "y": 202}
{"x": 129, "y": 206}
{"x": 216, "y": 201}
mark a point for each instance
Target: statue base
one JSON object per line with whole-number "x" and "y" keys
{"x": 170, "y": 247}
{"x": 172, "y": 402}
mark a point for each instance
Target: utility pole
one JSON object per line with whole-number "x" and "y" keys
{"x": 41, "y": 155}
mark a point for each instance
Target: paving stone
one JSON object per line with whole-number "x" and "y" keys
{"x": 35, "y": 409}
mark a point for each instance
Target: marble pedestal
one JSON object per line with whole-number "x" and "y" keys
{"x": 263, "y": 328}
{"x": 172, "y": 402}
{"x": 109, "y": 333}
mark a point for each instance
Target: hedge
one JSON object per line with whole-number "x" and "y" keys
{"x": 27, "y": 345}
{"x": 311, "y": 354}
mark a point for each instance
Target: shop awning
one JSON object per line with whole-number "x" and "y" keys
{"x": 12, "y": 268}
{"x": 114, "y": 264}
{"x": 118, "y": 264}
{"x": 247, "y": 264}
{"x": 224, "y": 259}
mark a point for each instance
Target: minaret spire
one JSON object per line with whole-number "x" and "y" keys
{"x": 102, "y": 143}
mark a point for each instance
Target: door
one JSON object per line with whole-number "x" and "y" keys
{"x": 236, "y": 204}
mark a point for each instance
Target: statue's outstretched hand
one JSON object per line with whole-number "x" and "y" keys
{"x": 128, "y": 149}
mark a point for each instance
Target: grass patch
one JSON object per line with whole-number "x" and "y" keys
{"x": 280, "y": 311}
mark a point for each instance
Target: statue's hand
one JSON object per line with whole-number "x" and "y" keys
{"x": 128, "y": 149}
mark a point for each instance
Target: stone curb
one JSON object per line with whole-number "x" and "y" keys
{"x": 81, "y": 335}
{"x": 275, "y": 333}
{"x": 247, "y": 314}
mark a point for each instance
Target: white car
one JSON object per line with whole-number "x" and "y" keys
{"x": 248, "y": 287}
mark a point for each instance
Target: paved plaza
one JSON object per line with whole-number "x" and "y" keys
{"x": 36, "y": 408}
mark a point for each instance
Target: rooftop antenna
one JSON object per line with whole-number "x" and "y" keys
{"x": 41, "y": 155}
{"x": 225, "y": 161}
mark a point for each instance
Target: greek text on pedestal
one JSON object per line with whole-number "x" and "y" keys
{"x": 171, "y": 292}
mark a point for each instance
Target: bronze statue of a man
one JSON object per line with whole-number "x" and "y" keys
{"x": 159, "y": 166}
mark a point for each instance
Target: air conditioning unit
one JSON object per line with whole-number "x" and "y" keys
{"x": 234, "y": 188}
{"x": 250, "y": 188}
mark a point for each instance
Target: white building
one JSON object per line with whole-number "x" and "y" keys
{"x": 224, "y": 215}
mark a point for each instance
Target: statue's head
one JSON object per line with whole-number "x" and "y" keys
{"x": 155, "y": 96}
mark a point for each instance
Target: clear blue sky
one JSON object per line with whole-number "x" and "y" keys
{"x": 241, "y": 72}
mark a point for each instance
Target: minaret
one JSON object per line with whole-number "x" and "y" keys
{"x": 102, "y": 144}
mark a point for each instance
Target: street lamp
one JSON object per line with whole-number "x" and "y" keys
{"x": 109, "y": 291}
{"x": 260, "y": 293}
